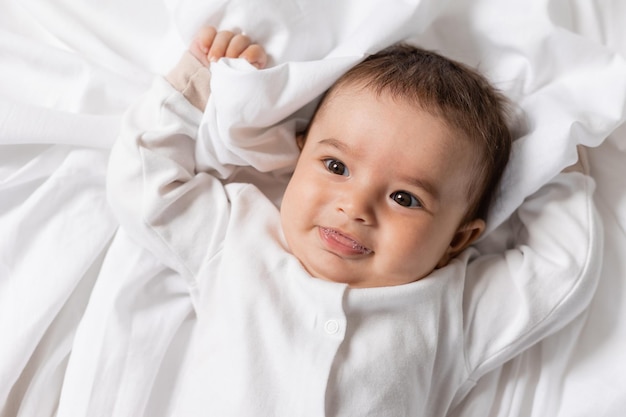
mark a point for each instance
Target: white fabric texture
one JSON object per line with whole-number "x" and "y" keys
{"x": 70, "y": 68}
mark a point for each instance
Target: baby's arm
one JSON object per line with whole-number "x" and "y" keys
{"x": 152, "y": 184}
{"x": 514, "y": 300}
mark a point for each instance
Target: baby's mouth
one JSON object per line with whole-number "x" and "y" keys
{"x": 345, "y": 242}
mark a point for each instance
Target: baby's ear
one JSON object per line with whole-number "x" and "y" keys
{"x": 300, "y": 139}
{"x": 463, "y": 237}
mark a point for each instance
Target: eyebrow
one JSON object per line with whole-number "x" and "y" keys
{"x": 335, "y": 144}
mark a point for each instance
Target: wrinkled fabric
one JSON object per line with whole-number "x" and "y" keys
{"x": 70, "y": 69}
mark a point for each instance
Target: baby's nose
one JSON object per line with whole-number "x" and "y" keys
{"x": 357, "y": 203}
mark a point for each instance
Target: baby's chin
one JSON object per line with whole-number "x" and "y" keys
{"x": 354, "y": 280}
{"x": 320, "y": 270}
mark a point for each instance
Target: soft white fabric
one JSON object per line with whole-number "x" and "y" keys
{"x": 269, "y": 339}
{"x": 70, "y": 68}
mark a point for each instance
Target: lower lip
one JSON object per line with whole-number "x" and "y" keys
{"x": 340, "y": 244}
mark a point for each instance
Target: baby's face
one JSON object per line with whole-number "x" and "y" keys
{"x": 378, "y": 194}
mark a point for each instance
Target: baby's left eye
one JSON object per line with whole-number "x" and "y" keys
{"x": 405, "y": 199}
{"x": 336, "y": 167}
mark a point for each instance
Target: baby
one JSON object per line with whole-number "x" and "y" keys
{"x": 361, "y": 295}
{"x": 353, "y": 194}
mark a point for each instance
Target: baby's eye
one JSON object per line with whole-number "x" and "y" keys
{"x": 336, "y": 167}
{"x": 405, "y": 199}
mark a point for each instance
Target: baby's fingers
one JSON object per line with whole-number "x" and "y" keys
{"x": 255, "y": 54}
{"x": 211, "y": 45}
{"x": 237, "y": 45}
{"x": 202, "y": 43}
{"x": 220, "y": 45}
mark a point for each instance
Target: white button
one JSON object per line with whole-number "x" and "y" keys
{"x": 331, "y": 326}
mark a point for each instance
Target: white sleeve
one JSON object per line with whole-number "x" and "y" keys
{"x": 515, "y": 299}
{"x": 153, "y": 187}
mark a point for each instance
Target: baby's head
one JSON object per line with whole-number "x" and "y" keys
{"x": 398, "y": 169}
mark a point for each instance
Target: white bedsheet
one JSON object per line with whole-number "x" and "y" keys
{"x": 84, "y": 336}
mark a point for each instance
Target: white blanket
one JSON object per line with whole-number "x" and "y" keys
{"x": 71, "y": 67}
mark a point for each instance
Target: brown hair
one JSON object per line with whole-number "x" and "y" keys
{"x": 458, "y": 94}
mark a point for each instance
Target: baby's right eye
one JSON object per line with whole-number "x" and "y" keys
{"x": 336, "y": 167}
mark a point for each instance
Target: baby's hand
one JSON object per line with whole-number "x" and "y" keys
{"x": 210, "y": 45}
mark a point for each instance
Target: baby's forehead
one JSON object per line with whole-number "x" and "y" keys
{"x": 453, "y": 138}
{"x": 419, "y": 121}
{"x": 411, "y": 100}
